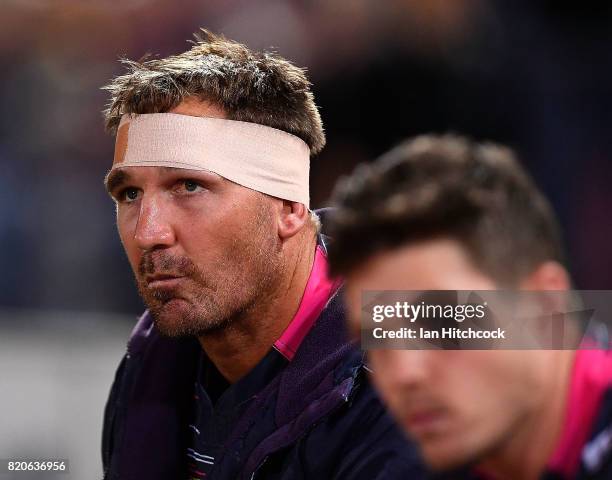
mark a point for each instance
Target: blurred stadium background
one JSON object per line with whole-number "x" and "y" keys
{"x": 536, "y": 74}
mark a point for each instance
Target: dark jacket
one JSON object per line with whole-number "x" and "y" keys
{"x": 596, "y": 462}
{"x": 319, "y": 418}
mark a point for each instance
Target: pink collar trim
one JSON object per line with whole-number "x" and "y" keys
{"x": 319, "y": 289}
{"x": 591, "y": 376}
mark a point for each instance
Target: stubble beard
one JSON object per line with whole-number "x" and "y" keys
{"x": 212, "y": 301}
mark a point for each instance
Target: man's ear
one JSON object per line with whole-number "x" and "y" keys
{"x": 292, "y": 218}
{"x": 548, "y": 276}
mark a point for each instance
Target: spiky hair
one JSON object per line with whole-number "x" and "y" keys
{"x": 257, "y": 87}
{"x": 445, "y": 186}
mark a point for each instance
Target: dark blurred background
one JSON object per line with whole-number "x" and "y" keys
{"x": 535, "y": 74}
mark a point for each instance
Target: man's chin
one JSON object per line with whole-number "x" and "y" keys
{"x": 177, "y": 318}
{"x": 171, "y": 318}
{"x": 452, "y": 454}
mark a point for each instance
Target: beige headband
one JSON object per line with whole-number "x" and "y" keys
{"x": 255, "y": 156}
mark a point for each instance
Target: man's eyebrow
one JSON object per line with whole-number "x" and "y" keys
{"x": 114, "y": 179}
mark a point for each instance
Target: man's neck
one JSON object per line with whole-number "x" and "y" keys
{"x": 237, "y": 349}
{"x": 526, "y": 454}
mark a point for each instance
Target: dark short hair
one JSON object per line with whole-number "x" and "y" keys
{"x": 445, "y": 186}
{"x": 257, "y": 87}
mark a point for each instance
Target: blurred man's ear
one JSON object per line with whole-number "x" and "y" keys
{"x": 549, "y": 275}
{"x": 292, "y": 218}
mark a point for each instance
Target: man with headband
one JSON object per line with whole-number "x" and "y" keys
{"x": 240, "y": 368}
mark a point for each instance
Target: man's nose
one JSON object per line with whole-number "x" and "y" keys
{"x": 406, "y": 368}
{"x": 154, "y": 228}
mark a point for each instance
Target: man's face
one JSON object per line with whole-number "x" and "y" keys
{"x": 458, "y": 405}
{"x": 203, "y": 249}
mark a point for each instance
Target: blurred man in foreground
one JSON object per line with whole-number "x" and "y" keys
{"x": 241, "y": 367}
{"x": 443, "y": 213}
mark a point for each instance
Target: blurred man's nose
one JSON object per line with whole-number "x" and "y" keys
{"x": 405, "y": 368}
{"x": 154, "y": 228}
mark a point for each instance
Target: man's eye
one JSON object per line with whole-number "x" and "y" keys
{"x": 129, "y": 194}
{"x": 191, "y": 185}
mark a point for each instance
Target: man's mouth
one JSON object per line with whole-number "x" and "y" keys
{"x": 163, "y": 280}
{"x": 426, "y": 421}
